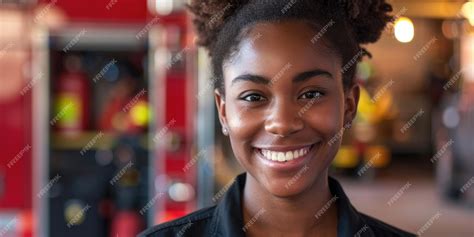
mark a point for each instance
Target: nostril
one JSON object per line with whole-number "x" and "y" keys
{"x": 283, "y": 127}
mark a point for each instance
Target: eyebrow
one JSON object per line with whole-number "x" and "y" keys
{"x": 301, "y": 77}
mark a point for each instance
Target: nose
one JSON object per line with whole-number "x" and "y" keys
{"x": 283, "y": 120}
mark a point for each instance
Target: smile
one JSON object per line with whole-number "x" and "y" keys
{"x": 284, "y": 155}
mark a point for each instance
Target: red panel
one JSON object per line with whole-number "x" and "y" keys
{"x": 175, "y": 162}
{"x": 103, "y": 10}
{"x": 16, "y": 152}
{"x": 176, "y": 96}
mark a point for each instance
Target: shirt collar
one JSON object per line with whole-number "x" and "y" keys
{"x": 228, "y": 220}
{"x": 350, "y": 222}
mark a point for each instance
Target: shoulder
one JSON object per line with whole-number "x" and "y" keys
{"x": 381, "y": 228}
{"x": 198, "y": 222}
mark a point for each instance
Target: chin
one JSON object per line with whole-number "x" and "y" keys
{"x": 286, "y": 191}
{"x": 291, "y": 186}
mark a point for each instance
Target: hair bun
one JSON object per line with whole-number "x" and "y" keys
{"x": 365, "y": 18}
{"x": 210, "y": 16}
{"x": 368, "y": 18}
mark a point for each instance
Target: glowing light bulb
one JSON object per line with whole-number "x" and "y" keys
{"x": 404, "y": 30}
{"x": 467, "y": 11}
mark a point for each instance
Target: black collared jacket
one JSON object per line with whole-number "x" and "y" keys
{"x": 225, "y": 219}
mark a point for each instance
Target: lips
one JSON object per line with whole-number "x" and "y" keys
{"x": 284, "y": 154}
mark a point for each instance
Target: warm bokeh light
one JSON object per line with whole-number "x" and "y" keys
{"x": 139, "y": 114}
{"x": 404, "y": 30}
{"x": 468, "y": 11}
{"x": 163, "y": 7}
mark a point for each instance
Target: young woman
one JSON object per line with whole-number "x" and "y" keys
{"x": 285, "y": 94}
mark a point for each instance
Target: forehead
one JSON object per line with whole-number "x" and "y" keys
{"x": 267, "y": 48}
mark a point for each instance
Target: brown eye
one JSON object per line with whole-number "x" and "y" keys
{"x": 312, "y": 95}
{"x": 253, "y": 98}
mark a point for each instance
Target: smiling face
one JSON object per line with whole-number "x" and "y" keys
{"x": 285, "y": 106}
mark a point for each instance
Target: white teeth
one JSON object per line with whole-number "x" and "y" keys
{"x": 284, "y": 156}
{"x": 281, "y": 156}
{"x": 274, "y": 155}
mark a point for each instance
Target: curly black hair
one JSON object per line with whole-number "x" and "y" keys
{"x": 221, "y": 25}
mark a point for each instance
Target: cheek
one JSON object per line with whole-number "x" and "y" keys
{"x": 243, "y": 125}
{"x": 327, "y": 119}
{"x": 242, "y": 121}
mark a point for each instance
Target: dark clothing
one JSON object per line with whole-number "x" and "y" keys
{"x": 225, "y": 219}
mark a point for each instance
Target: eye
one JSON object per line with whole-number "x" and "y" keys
{"x": 312, "y": 95}
{"x": 252, "y": 98}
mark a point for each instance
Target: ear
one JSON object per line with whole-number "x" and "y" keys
{"x": 351, "y": 101}
{"x": 220, "y": 104}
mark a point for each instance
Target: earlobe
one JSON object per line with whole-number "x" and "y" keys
{"x": 351, "y": 104}
{"x": 220, "y": 105}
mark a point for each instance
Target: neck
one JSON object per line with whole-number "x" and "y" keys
{"x": 310, "y": 213}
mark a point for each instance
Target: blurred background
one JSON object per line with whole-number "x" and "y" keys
{"x": 108, "y": 123}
